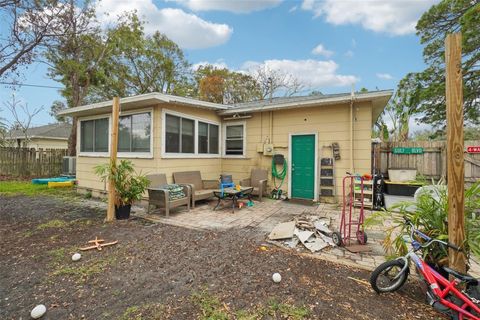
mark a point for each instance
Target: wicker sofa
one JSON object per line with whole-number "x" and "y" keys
{"x": 199, "y": 189}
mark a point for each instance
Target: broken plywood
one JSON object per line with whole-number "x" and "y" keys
{"x": 283, "y": 230}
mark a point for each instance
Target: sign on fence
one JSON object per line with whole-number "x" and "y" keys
{"x": 407, "y": 150}
{"x": 473, "y": 149}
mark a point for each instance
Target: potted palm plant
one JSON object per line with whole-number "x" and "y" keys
{"x": 129, "y": 186}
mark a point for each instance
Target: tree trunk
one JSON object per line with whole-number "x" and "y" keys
{"x": 72, "y": 140}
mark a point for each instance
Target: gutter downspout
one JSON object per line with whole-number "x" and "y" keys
{"x": 270, "y": 98}
{"x": 352, "y": 98}
{"x": 270, "y": 138}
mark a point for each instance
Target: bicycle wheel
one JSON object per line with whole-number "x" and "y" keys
{"x": 387, "y": 278}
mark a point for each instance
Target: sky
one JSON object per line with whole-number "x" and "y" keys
{"x": 329, "y": 45}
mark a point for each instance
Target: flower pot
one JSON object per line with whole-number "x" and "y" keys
{"x": 123, "y": 212}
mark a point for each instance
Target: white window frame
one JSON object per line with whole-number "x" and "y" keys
{"x": 131, "y": 155}
{"x": 139, "y": 154}
{"x": 224, "y": 144}
{"x": 195, "y": 154}
{"x": 79, "y": 136}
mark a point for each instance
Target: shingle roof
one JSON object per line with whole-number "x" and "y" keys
{"x": 302, "y": 101}
{"x": 55, "y": 130}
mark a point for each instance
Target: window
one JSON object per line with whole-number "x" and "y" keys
{"x": 207, "y": 138}
{"x": 187, "y": 136}
{"x": 179, "y": 134}
{"x": 94, "y": 135}
{"x": 134, "y": 133}
{"x": 234, "y": 140}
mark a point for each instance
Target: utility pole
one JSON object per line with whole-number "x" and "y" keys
{"x": 455, "y": 157}
{"x": 113, "y": 158}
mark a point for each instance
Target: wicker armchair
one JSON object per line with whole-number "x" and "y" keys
{"x": 258, "y": 180}
{"x": 199, "y": 189}
{"x": 159, "y": 196}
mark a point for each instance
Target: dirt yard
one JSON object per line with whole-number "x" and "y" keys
{"x": 165, "y": 272}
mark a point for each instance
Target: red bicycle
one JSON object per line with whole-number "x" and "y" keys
{"x": 442, "y": 294}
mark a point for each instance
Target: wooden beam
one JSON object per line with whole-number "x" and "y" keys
{"x": 113, "y": 158}
{"x": 455, "y": 164}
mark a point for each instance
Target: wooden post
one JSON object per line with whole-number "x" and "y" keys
{"x": 113, "y": 158}
{"x": 455, "y": 165}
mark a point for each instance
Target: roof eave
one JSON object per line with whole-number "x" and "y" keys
{"x": 139, "y": 101}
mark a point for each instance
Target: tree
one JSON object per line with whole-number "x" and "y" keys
{"x": 26, "y": 26}
{"x": 225, "y": 86}
{"x": 55, "y": 108}
{"x": 470, "y": 133}
{"x": 3, "y": 130}
{"x": 428, "y": 87}
{"x": 22, "y": 116}
{"x": 399, "y": 110}
{"x": 79, "y": 58}
{"x": 142, "y": 64}
{"x": 276, "y": 82}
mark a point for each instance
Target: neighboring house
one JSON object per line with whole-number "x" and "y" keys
{"x": 163, "y": 133}
{"x": 50, "y": 136}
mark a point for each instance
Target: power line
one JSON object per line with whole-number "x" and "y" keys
{"x": 29, "y": 85}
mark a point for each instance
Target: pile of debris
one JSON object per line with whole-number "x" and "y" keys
{"x": 312, "y": 232}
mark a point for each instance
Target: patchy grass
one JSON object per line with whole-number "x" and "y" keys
{"x": 28, "y": 234}
{"x": 30, "y": 189}
{"x": 147, "y": 311}
{"x": 83, "y": 272}
{"x": 211, "y": 308}
{"x": 58, "y": 255}
{"x": 55, "y": 223}
{"x": 288, "y": 311}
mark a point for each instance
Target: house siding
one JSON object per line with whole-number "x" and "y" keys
{"x": 331, "y": 123}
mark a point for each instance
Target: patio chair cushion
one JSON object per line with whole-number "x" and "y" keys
{"x": 203, "y": 194}
{"x": 175, "y": 191}
{"x": 191, "y": 177}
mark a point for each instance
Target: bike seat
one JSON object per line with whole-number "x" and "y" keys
{"x": 464, "y": 277}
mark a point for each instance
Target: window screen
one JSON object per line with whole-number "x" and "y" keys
{"x": 234, "y": 140}
{"x": 94, "y": 135}
{"x": 134, "y": 133}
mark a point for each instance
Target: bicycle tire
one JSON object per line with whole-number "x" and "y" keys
{"x": 387, "y": 266}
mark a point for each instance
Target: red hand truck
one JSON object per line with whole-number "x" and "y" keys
{"x": 347, "y": 220}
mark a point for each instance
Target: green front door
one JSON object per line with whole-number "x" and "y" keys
{"x": 303, "y": 166}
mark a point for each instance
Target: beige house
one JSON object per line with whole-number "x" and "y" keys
{"x": 164, "y": 134}
{"x": 50, "y": 136}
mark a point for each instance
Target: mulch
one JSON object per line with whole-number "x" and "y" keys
{"x": 159, "y": 264}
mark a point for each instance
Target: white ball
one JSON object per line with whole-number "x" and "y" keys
{"x": 76, "y": 256}
{"x": 38, "y": 311}
{"x": 276, "y": 277}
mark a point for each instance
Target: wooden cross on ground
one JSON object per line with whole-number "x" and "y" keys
{"x": 98, "y": 244}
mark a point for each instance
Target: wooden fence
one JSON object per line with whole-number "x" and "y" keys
{"x": 26, "y": 162}
{"x": 431, "y": 163}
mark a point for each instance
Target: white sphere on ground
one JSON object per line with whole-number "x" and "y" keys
{"x": 38, "y": 311}
{"x": 276, "y": 277}
{"x": 76, "y": 256}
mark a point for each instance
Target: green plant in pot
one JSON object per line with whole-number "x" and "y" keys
{"x": 129, "y": 186}
{"x": 429, "y": 213}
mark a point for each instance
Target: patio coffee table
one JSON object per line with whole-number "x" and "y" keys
{"x": 233, "y": 195}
